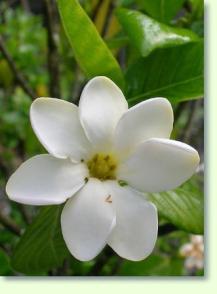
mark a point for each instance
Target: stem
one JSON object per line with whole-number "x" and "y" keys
{"x": 17, "y": 74}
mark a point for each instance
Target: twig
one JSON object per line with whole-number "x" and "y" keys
{"x": 53, "y": 56}
{"x": 18, "y": 75}
{"x": 10, "y": 224}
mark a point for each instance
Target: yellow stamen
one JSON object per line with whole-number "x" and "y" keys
{"x": 102, "y": 166}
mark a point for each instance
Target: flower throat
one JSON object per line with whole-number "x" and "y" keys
{"x": 102, "y": 166}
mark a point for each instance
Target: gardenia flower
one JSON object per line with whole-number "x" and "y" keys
{"x": 194, "y": 253}
{"x": 101, "y": 157}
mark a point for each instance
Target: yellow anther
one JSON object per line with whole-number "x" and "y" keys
{"x": 102, "y": 166}
{"x": 107, "y": 157}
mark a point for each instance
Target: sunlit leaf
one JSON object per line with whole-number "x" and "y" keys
{"x": 182, "y": 207}
{"x": 90, "y": 50}
{"x": 147, "y": 34}
{"x": 162, "y": 10}
{"x": 175, "y": 73}
{"x": 41, "y": 247}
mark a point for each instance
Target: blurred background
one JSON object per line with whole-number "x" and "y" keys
{"x": 36, "y": 60}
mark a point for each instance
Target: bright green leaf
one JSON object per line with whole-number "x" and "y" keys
{"x": 162, "y": 10}
{"x": 182, "y": 207}
{"x": 147, "y": 34}
{"x": 90, "y": 50}
{"x": 175, "y": 73}
{"x": 41, "y": 247}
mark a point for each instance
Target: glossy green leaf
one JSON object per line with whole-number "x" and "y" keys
{"x": 175, "y": 73}
{"x": 162, "y": 10}
{"x": 147, "y": 34}
{"x": 182, "y": 207}
{"x": 90, "y": 50}
{"x": 41, "y": 247}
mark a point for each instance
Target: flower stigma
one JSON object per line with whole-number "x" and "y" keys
{"x": 102, "y": 166}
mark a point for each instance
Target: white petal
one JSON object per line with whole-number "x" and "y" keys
{"x": 87, "y": 220}
{"x": 152, "y": 118}
{"x": 44, "y": 180}
{"x": 101, "y": 105}
{"x": 56, "y": 124}
{"x": 135, "y": 233}
{"x": 159, "y": 165}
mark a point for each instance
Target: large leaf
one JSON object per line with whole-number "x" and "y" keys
{"x": 182, "y": 207}
{"x": 175, "y": 73}
{"x": 147, "y": 34}
{"x": 90, "y": 51}
{"x": 162, "y": 10}
{"x": 41, "y": 247}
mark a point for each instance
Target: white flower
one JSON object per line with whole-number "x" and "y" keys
{"x": 101, "y": 157}
{"x": 194, "y": 253}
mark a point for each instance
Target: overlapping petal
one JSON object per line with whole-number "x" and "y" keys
{"x": 44, "y": 180}
{"x": 57, "y": 125}
{"x": 101, "y": 105}
{"x": 87, "y": 220}
{"x": 159, "y": 165}
{"x": 135, "y": 233}
{"x": 152, "y": 118}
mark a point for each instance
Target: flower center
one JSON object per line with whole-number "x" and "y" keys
{"x": 102, "y": 166}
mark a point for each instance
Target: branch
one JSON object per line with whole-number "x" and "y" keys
{"x": 53, "y": 56}
{"x": 17, "y": 74}
{"x": 10, "y": 224}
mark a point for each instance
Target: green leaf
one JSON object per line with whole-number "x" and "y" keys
{"x": 182, "y": 207}
{"x": 175, "y": 73}
{"x": 41, "y": 247}
{"x": 154, "y": 265}
{"x": 147, "y": 34}
{"x": 197, "y": 7}
{"x": 5, "y": 269}
{"x": 90, "y": 50}
{"x": 162, "y": 10}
